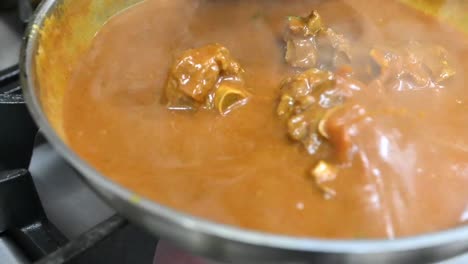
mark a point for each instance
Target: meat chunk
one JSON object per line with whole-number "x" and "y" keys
{"x": 314, "y": 107}
{"x": 413, "y": 66}
{"x": 308, "y": 97}
{"x": 323, "y": 173}
{"x": 309, "y": 43}
{"x": 206, "y": 77}
{"x": 337, "y": 126}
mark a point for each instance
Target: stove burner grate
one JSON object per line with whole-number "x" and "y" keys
{"x": 23, "y": 223}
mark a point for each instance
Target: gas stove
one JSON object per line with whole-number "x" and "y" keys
{"x": 47, "y": 214}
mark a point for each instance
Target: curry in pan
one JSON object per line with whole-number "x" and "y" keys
{"x": 335, "y": 119}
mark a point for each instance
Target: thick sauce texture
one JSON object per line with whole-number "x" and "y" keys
{"x": 411, "y": 174}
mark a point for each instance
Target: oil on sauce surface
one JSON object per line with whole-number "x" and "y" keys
{"x": 242, "y": 169}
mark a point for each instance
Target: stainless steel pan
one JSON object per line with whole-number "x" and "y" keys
{"x": 60, "y": 31}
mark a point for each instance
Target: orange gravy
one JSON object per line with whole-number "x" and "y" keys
{"x": 242, "y": 169}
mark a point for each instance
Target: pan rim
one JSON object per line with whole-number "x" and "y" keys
{"x": 201, "y": 226}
